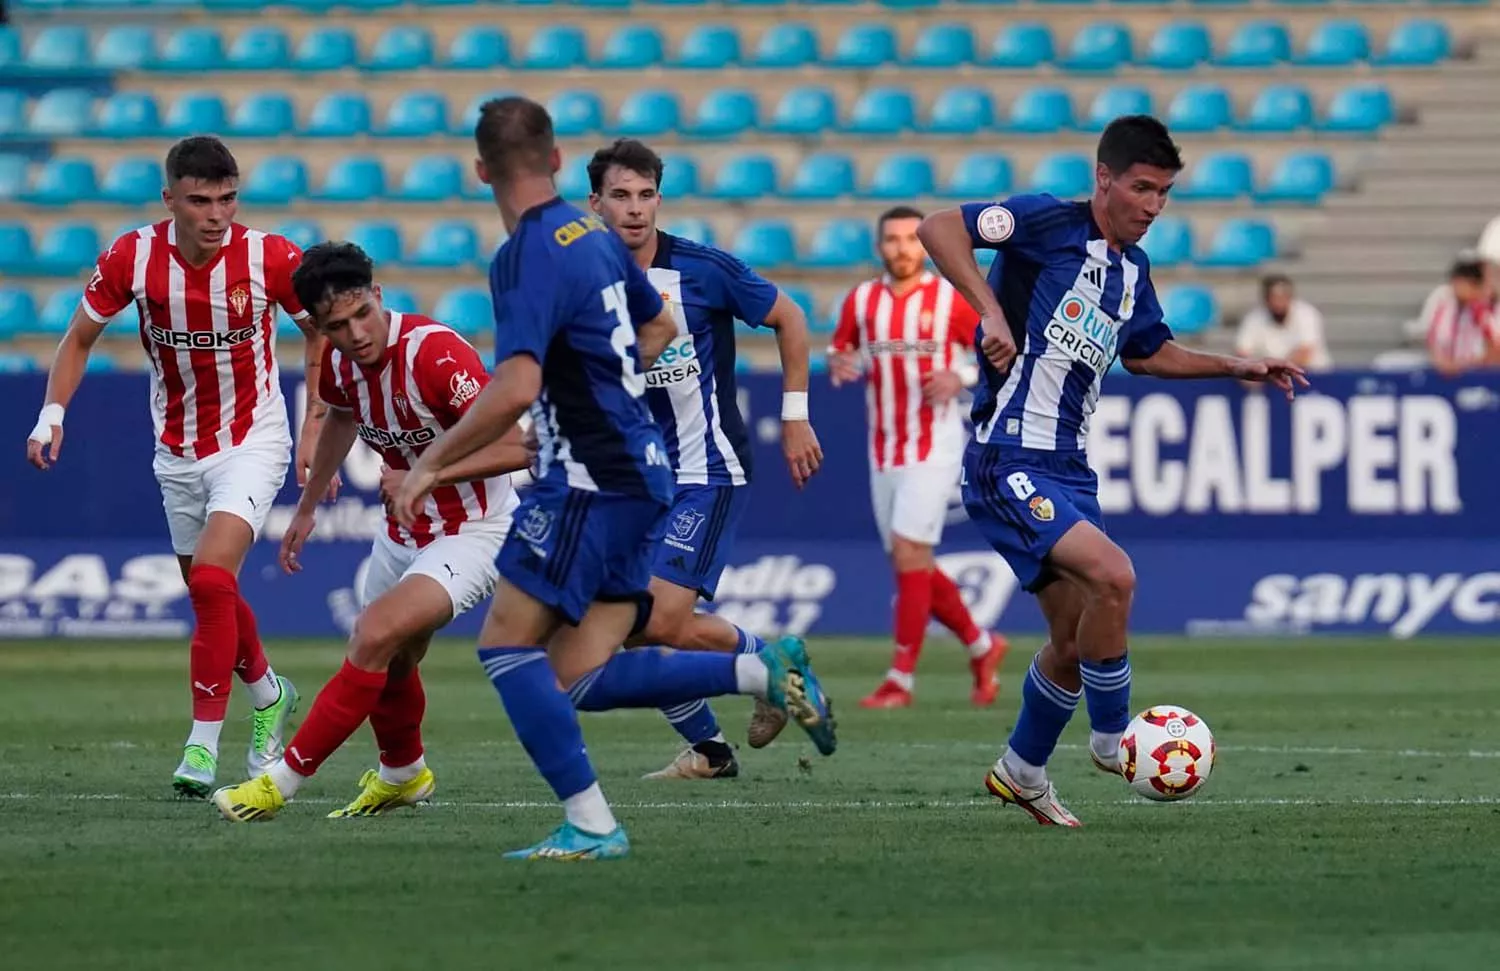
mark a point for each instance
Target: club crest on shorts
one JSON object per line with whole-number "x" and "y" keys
{"x": 535, "y": 526}
{"x": 685, "y": 524}
{"x": 1041, "y": 508}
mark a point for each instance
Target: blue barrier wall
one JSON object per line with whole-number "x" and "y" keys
{"x": 1364, "y": 506}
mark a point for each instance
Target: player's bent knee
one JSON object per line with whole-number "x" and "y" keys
{"x": 376, "y": 641}
{"x": 1114, "y": 580}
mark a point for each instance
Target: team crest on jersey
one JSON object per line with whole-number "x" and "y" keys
{"x": 403, "y": 407}
{"x": 239, "y": 299}
{"x": 1042, "y": 508}
{"x": 462, "y": 388}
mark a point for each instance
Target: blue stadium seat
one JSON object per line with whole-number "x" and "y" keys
{"x": 787, "y": 45}
{"x": 16, "y": 252}
{"x": 401, "y": 48}
{"x": 353, "y": 178}
{"x": 1169, "y": 242}
{"x": 1361, "y": 109}
{"x": 416, "y": 114}
{"x": 128, "y": 47}
{"x": 697, "y": 230}
{"x": 448, "y": 243}
{"x": 724, "y": 112}
{"x": 1190, "y": 310}
{"x": 981, "y": 175}
{"x": 17, "y": 311}
{"x": 961, "y": 111}
{"x": 57, "y": 312}
{"x": 12, "y": 112}
{"x": 1099, "y": 46}
{"x": 679, "y": 176}
{"x": 64, "y": 181}
{"x": 303, "y": 232}
{"x": 259, "y": 48}
{"x": 191, "y": 49}
{"x": 339, "y": 114}
{"x": 840, "y": 243}
{"x": 1416, "y": 43}
{"x": 1041, "y": 110}
{"x": 573, "y": 180}
{"x": 576, "y": 112}
{"x": 128, "y": 114}
{"x": 276, "y": 181}
{"x": 803, "y": 298}
{"x": 1218, "y": 176}
{"x": 1279, "y": 108}
{"x": 1256, "y": 44}
{"x": 13, "y": 362}
{"x": 745, "y": 177}
{"x": 864, "y": 46}
{"x": 326, "y": 49}
{"x": 708, "y": 47}
{"x": 1022, "y": 46}
{"x": 399, "y": 299}
{"x": 1300, "y": 177}
{"x": 62, "y": 112}
{"x": 1113, "y": 102}
{"x": 10, "y": 46}
{"x": 99, "y": 363}
{"x": 132, "y": 182}
{"x": 1179, "y": 47}
{"x": 478, "y": 48}
{"x": 467, "y": 310}
{"x": 556, "y": 48}
{"x": 12, "y": 176}
{"x": 1240, "y": 243}
{"x": 805, "y": 111}
{"x": 648, "y": 112}
{"x": 901, "y": 176}
{"x": 765, "y": 244}
{"x": 1200, "y": 108}
{"x": 431, "y": 178}
{"x": 1064, "y": 175}
{"x": 59, "y": 48}
{"x": 67, "y": 248}
{"x": 1335, "y": 43}
{"x": 195, "y": 114}
{"x": 882, "y": 111}
{"x": 266, "y": 114}
{"x": 631, "y": 47}
{"x": 825, "y": 175}
{"x": 380, "y": 240}
{"x": 943, "y": 45}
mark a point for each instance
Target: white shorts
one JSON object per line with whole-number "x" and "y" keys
{"x": 243, "y": 480}
{"x": 911, "y": 501}
{"x": 463, "y": 564}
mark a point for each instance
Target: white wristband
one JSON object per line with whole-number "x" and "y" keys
{"x": 50, "y": 415}
{"x": 794, "y": 406}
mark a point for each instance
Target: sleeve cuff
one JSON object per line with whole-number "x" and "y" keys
{"x": 94, "y": 315}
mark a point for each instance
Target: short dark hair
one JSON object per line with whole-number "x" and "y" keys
{"x": 897, "y": 212}
{"x": 1271, "y": 281}
{"x": 1138, "y": 140}
{"x": 329, "y": 270}
{"x": 628, "y": 153}
{"x": 514, "y": 136}
{"x": 201, "y": 157}
{"x": 1467, "y": 265}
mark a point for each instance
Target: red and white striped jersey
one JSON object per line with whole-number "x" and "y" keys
{"x": 904, "y": 339}
{"x": 1460, "y": 332}
{"x": 209, "y": 331}
{"x": 423, "y": 385}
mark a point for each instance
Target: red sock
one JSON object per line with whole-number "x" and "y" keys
{"x": 397, "y": 720}
{"x": 214, "y": 593}
{"x": 948, "y": 607}
{"x": 913, "y": 605}
{"x": 341, "y": 707}
{"x": 250, "y": 658}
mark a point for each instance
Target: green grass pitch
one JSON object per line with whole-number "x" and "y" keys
{"x": 1353, "y": 821}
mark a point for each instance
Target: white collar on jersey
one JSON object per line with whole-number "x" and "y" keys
{"x": 172, "y": 234}
{"x": 886, "y": 280}
{"x": 395, "y": 329}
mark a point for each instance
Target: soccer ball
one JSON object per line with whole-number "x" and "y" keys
{"x": 1166, "y": 753}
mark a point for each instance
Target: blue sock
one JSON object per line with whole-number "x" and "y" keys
{"x": 544, "y": 719}
{"x": 749, "y": 643}
{"x": 1045, "y": 710}
{"x": 1106, "y": 687}
{"x": 694, "y": 721}
{"x": 651, "y": 677}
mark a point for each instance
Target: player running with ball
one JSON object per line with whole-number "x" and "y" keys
{"x": 1069, "y": 292}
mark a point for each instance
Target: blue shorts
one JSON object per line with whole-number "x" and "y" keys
{"x": 700, "y": 531}
{"x": 1024, "y": 500}
{"x": 569, "y": 548}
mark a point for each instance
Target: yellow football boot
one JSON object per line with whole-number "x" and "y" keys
{"x": 378, "y": 796}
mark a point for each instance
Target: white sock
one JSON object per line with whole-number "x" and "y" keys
{"x": 287, "y": 781}
{"x": 266, "y": 691}
{"x": 901, "y": 678}
{"x": 206, "y": 734}
{"x": 396, "y": 775}
{"x": 1106, "y": 745}
{"x": 1028, "y": 775}
{"x": 982, "y": 646}
{"x": 751, "y": 675}
{"x": 589, "y": 812}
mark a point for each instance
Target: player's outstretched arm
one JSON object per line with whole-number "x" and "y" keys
{"x": 44, "y": 445}
{"x": 315, "y": 410}
{"x": 1172, "y": 360}
{"x": 946, "y": 236}
{"x": 335, "y": 438}
{"x": 799, "y": 443}
{"x": 504, "y": 455}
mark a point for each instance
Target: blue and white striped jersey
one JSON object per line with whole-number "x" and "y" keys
{"x": 1073, "y": 305}
{"x": 691, "y": 387}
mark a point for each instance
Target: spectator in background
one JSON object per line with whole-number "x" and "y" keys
{"x": 1489, "y": 246}
{"x": 1283, "y": 326}
{"x": 1461, "y": 317}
